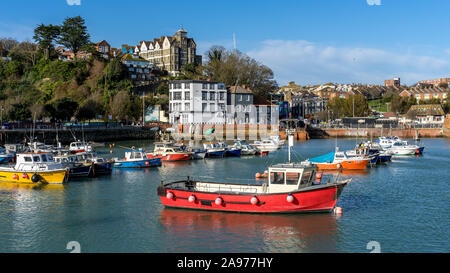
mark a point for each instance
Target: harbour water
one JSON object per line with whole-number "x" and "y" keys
{"x": 402, "y": 206}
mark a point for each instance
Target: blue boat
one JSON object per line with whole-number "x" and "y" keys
{"x": 230, "y": 151}
{"x": 5, "y": 156}
{"x": 214, "y": 150}
{"x": 137, "y": 159}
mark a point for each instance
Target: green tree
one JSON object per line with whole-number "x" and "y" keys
{"x": 89, "y": 110}
{"x": 19, "y": 112}
{"x": 73, "y": 34}
{"x": 45, "y": 37}
{"x": 64, "y": 109}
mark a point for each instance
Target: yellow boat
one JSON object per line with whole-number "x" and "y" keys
{"x": 33, "y": 168}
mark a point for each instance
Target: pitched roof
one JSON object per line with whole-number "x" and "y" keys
{"x": 240, "y": 90}
{"x": 427, "y": 110}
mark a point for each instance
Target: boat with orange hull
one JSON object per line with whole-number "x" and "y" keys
{"x": 291, "y": 188}
{"x": 340, "y": 161}
{"x": 169, "y": 153}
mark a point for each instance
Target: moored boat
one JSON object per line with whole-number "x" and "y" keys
{"x": 169, "y": 153}
{"x": 214, "y": 150}
{"x": 80, "y": 147}
{"x": 137, "y": 159}
{"x": 76, "y": 169}
{"x": 290, "y": 188}
{"x": 266, "y": 145}
{"x": 340, "y": 161}
{"x": 246, "y": 149}
{"x": 35, "y": 168}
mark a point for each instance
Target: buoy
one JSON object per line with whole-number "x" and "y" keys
{"x": 25, "y": 176}
{"x": 219, "y": 201}
{"x": 192, "y": 198}
{"x": 319, "y": 176}
{"x": 258, "y": 175}
{"x": 290, "y": 198}
{"x": 110, "y": 146}
{"x": 15, "y": 176}
{"x": 169, "y": 195}
{"x": 254, "y": 200}
{"x": 338, "y": 210}
{"x": 147, "y": 163}
{"x": 35, "y": 178}
{"x": 111, "y": 152}
{"x": 339, "y": 166}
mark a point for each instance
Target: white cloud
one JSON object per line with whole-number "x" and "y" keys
{"x": 311, "y": 63}
{"x": 73, "y": 2}
{"x": 374, "y": 2}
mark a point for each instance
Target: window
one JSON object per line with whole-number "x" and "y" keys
{"x": 222, "y": 95}
{"x": 292, "y": 178}
{"x": 205, "y": 86}
{"x": 27, "y": 159}
{"x": 212, "y": 95}
{"x": 221, "y": 106}
{"x": 36, "y": 159}
{"x": 204, "y": 95}
{"x": 221, "y": 86}
{"x": 187, "y": 95}
{"x": 177, "y": 95}
{"x": 187, "y": 86}
{"x": 211, "y": 86}
{"x": 204, "y": 106}
{"x": 306, "y": 178}
{"x": 239, "y": 97}
{"x": 277, "y": 178}
{"x": 44, "y": 158}
{"x": 187, "y": 107}
{"x": 212, "y": 107}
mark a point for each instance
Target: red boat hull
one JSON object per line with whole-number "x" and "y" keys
{"x": 172, "y": 157}
{"x": 322, "y": 199}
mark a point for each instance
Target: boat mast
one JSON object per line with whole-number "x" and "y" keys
{"x": 291, "y": 143}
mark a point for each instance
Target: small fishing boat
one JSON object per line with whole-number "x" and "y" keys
{"x": 277, "y": 139}
{"x": 137, "y": 159}
{"x": 372, "y": 155}
{"x": 169, "y": 153}
{"x": 230, "y": 151}
{"x": 246, "y": 149}
{"x": 290, "y": 188}
{"x": 213, "y": 150}
{"x": 76, "y": 169}
{"x": 35, "y": 168}
{"x": 100, "y": 165}
{"x": 340, "y": 161}
{"x": 199, "y": 153}
{"x": 80, "y": 147}
{"x": 404, "y": 148}
{"x": 266, "y": 145}
{"x": 5, "y": 156}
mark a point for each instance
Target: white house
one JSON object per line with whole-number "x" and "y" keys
{"x": 197, "y": 102}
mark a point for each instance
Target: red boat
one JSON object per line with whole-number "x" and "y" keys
{"x": 169, "y": 153}
{"x": 291, "y": 188}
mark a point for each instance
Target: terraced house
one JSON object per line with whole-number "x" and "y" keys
{"x": 170, "y": 53}
{"x": 426, "y": 93}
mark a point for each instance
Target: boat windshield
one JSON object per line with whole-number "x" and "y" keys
{"x": 277, "y": 178}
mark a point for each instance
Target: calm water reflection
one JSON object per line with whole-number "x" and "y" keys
{"x": 402, "y": 205}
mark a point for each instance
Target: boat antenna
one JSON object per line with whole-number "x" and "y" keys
{"x": 290, "y": 142}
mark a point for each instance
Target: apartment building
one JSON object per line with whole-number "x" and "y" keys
{"x": 197, "y": 102}
{"x": 170, "y": 53}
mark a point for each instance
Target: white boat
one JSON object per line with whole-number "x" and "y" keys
{"x": 277, "y": 140}
{"x": 266, "y": 145}
{"x": 80, "y": 147}
{"x": 404, "y": 148}
{"x": 246, "y": 149}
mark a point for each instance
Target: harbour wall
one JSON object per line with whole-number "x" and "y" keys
{"x": 376, "y": 132}
{"x": 66, "y": 136}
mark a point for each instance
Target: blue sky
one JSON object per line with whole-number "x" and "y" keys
{"x": 315, "y": 41}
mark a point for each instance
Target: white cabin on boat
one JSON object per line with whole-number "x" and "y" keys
{"x": 36, "y": 162}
